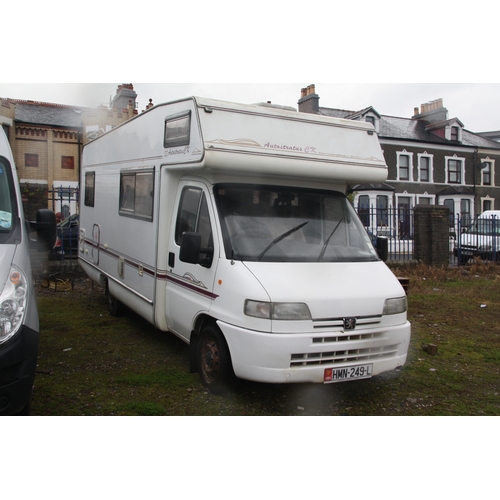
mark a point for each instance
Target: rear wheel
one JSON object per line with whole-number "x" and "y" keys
{"x": 115, "y": 307}
{"x": 214, "y": 360}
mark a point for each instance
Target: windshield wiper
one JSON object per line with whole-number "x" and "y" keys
{"x": 282, "y": 237}
{"x": 325, "y": 244}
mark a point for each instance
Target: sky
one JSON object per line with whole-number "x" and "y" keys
{"x": 348, "y": 44}
{"x": 476, "y": 105}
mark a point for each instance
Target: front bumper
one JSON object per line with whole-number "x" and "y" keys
{"x": 18, "y": 359}
{"x": 303, "y": 358}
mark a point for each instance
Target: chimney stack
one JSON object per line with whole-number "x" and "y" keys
{"x": 432, "y": 111}
{"x": 309, "y": 100}
{"x": 124, "y": 93}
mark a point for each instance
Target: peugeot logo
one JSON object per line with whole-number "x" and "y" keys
{"x": 349, "y": 323}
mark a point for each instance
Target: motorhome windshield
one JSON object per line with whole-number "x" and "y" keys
{"x": 7, "y": 200}
{"x": 276, "y": 224}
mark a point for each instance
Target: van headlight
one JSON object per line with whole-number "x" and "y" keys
{"x": 395, "y": 306}
{"x": 277, "y": 310}
{"x": 13, "y": 301}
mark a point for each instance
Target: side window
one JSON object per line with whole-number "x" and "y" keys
{"x": 193, "y": 217}
{"x": 136, "y": 194}
{"x": 89, "y": 189}
{"x": 177, "y": 130}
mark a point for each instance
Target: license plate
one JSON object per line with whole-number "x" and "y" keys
{"x": 347, "y": 373}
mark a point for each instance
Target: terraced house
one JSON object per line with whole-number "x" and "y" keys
{"x": 432, "y": 160}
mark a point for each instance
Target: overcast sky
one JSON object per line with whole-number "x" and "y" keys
{"x": 477, "y": 105}
{"x": 265, "y": 41}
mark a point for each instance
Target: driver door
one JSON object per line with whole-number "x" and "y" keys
{"x": 190, "y": 286}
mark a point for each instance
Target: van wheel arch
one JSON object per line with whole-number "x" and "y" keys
{"x": 211, "y": 356}
{"x": 115, "y": 307}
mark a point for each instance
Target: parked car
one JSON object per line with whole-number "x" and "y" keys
{"x": 481, "y": 239}
{"x": 66, "y": 245}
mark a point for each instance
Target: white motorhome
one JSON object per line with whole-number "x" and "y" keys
{"x": 482, "y": 238}
{"x": 227, "y": 225}
{"x": 18, "y": 310}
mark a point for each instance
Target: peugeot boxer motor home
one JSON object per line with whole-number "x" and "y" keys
{"x": 228, "y": 225}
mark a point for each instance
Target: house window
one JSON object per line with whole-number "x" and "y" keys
{"x": 370, "y": 119}
{"x": 454, "y": 134}
{"x": 68, "y": 162}
{"x": 454, "y": 169}
{"x": 404, "y": 217}
{"x": 424, "y": 169}
{"x": 424, "y": 201}
{"x": 136, "y": 194}
{"x": 450, "y": 203}
{"x": 404, "y": 167}
{"x": 486, "y": 173}
{"x": 487, "y": 205}
{"x": 364, "y": 209}
{"x": 31, "y": 160}
{"x": 382, "y": 210}
{"x": 465, "y": 211}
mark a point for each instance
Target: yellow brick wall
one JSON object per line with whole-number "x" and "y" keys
{"x": 50, "y": 146}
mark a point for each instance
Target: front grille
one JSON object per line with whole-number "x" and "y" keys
{"x": 338, "y": 323}
{"x": 347, "y": 336}
{"x": 344, "y": 356}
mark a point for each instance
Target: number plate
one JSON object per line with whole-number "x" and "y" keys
{"x": 347, "y": 373}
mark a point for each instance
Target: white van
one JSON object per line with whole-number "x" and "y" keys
{"x": 482, "y": 238}
{"x": 228, "y": 225}
{"x": 18, "y": 309}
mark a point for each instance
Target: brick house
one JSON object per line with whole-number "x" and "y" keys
{"x": 432, "y": 160}
{"x": 47, "y": 140}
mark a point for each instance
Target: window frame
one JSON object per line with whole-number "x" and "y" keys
{"x": 181, "y": 140}
{"x": 67, "y": 160}
{"x": 409, "y": 168}
{"x": 491, "y": 173}
{"x": 430, "y": 159}
{"x": 460, "y": 170}
{"x": 133, "y": 212}
{"x": 31, "y": 160}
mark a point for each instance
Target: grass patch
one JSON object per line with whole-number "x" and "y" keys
{"x": 93, "y": 364}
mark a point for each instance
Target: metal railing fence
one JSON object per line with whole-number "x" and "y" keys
{"x": 395, "y": 224}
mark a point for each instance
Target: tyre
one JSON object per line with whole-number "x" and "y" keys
{"x": 26, "y": 411}
{"x": 214, "y": 360}
{"x": 115, "y": 307}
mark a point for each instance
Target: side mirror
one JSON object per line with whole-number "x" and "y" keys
{"x": 383, "y": 248}
{"x": 45, "y": 227}
{"x": 190, "y": 248}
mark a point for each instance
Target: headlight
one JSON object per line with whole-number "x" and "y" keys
{"x": 395, "y": 306}
{"x": 13, "y": 304}
{"x": 277, "y": 310}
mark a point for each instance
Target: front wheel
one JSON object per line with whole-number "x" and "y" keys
{"x": 214, "y": 360}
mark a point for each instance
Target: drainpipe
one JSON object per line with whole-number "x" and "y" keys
{"x": 475, "y": 167}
